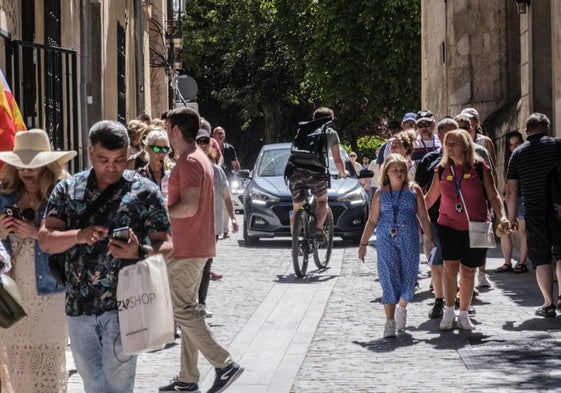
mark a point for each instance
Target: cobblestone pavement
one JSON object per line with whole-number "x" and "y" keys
{"x": 511, "y": 349}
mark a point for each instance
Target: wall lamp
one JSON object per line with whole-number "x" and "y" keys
{"x": 522, "y": 6}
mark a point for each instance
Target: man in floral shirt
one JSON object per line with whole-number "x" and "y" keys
{"x": 94, "y": 260}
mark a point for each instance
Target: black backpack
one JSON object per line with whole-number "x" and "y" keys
{"x": 554, "y": 182}
{"x": 309, "y": 148}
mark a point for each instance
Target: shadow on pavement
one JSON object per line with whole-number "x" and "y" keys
{"x": 285, "y": 243}
{"x": 310, "y": 278}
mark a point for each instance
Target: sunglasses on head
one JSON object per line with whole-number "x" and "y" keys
{"x": 160, "y": 149}
{"x": 203, "y": 141}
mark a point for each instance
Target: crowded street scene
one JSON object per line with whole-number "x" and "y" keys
{"x": 207, "y": 196}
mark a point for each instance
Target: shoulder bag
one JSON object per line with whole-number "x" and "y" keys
{"x": 11, "y": 309}
{"x": 480, "y": 233}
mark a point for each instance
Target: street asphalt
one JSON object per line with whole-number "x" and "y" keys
{"x": 324, "y": 333}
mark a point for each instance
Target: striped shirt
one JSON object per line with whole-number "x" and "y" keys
{"x": 530, "y": 164}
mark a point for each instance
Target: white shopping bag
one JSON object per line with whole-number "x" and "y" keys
{"x": 144, "y": 305}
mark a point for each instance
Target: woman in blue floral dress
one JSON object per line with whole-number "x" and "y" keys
{"x": 397, "y": 208}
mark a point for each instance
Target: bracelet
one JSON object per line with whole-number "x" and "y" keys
{"x": 364, "y": 244}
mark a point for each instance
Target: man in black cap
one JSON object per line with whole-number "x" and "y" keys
{"x": 426, "y": 141}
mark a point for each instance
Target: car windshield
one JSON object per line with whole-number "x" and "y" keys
{"x": 273, "y": 162}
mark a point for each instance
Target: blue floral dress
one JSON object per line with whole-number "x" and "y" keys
{"x": 398, "y": 254}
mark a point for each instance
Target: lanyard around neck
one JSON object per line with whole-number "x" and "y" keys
{"x": 425, "y": 146}
{"x": 395, "y": 206}
{"x": 457, "y": 182}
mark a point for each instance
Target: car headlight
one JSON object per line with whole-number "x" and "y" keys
{"x": 260, "y": 197}
{"x": 355, "y": 197}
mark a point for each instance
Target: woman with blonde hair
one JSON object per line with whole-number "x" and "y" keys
{"x": 397, "y": 207}
{"x": 157, "y": 149}
{"x": 464, "y": 183}
{"x": 33, "y": 351}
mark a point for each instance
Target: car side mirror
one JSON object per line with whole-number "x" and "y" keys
{"x": 244, "y": 174}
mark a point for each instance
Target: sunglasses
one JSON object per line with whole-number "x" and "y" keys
{"x": 160, "y": 149}
{"x": 203, "y": 141}
{"x": 424, "y": 124}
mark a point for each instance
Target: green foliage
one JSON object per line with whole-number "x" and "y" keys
{"x": 367, "y": 145}
{"x": 262, "y": 66}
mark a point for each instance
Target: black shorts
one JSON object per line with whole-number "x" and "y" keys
{"x": 302, "y": 180}
{"x": 544, "y": 238}
{"x": 455, "y": 247}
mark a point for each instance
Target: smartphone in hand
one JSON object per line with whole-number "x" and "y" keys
{"x": 12, "y": 211}
{"x": 121, "y": 234}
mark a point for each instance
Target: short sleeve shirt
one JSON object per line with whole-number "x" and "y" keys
{"x": 195, "y": 236}
{"x": 220, "y": 184}
{"x": 92, "y": 271}
{"x": 529, "y": 164}
{"x": 229, "y": 154}
{"x": 471, "y": 186}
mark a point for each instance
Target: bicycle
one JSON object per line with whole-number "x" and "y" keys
{"x": 305, "y": 240}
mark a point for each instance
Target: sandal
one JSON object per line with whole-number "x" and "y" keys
{"x": 520, "y": 268}
{"x": 559, "y": 301}
{"x": 546, "y": 311}
{"x": 505, "y": 268}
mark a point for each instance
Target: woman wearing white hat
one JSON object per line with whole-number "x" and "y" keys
{"x": 33, "y": 351}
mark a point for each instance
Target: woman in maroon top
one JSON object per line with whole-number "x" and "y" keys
{"x": 461, "y": 171}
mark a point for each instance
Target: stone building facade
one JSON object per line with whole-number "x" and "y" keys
{"x": 484, "y": 54}
{"x": 71, "y": 63}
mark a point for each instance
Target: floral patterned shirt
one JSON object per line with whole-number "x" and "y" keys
{"x": 92, "y": 272}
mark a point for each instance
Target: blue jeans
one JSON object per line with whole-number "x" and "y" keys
{"x": 95, "y": 341}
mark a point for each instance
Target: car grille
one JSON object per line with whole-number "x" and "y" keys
{"x": 283, "y": 213}
{"x": 337, "y": 211}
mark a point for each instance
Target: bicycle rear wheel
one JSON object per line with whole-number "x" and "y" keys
{"x": 300, "y": 244}
{"x": 323, "y": 247}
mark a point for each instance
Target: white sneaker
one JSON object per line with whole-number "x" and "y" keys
{"x": 389, "y": 329}
{"x": 483, "y": 280}
{"x": 204, "y": 310}
{"x": 400, "y": 318}
{"x": 464, "y": 322}
{"x": 447, "y": 322}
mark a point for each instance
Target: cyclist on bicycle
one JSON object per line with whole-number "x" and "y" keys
{"x": 315, "y": 178}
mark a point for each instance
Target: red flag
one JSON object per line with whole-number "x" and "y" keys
{"x": 11, "y": 120}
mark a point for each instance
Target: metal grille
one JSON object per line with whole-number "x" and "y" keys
{"x": 47, "y": 92}
{"x": 121, "y": 67}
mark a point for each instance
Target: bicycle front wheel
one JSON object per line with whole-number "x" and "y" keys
{"x": 324, "y": 246}
{"x": 300, "y": 244}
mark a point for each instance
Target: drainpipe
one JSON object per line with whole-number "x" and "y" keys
{"x": 85, "y": 77}
{"x": 139, "y": 57}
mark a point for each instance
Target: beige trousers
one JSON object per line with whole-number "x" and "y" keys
{"x": 184, "y": 279}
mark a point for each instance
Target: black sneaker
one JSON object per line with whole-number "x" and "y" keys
{"x": 437, "y": 310}
{"x": 178, "y": 386}
{"x": 225, "y": 377}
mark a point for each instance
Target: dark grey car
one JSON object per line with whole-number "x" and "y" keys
{"x": 268, "y": 205}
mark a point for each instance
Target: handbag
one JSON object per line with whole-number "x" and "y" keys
{"x": 480, "y": 233}
{"x": 57, "y": 262}
{"x": 144, "y": 305}
{"x": 11, "y": 309}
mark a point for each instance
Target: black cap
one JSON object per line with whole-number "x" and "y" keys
{"x": 424, "y": 114}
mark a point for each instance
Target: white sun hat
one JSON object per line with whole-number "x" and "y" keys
{"x": 32, "y": 149}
